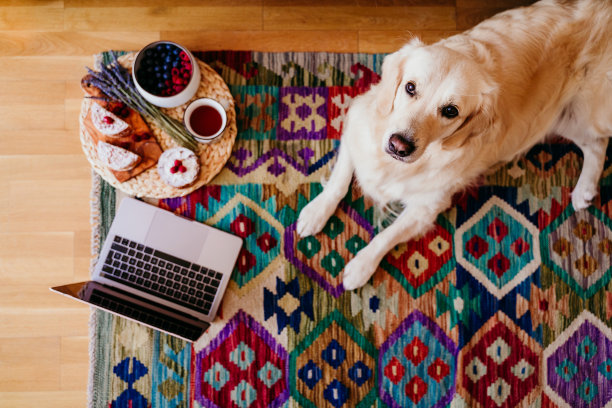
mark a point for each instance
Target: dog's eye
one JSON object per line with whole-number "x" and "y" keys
{"x": 411, "y": 88}
{"x": 450, "y": 111}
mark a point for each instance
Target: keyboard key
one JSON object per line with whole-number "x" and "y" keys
{"x": 140, "y": 264}
{"x": 132, "y": 261}
{"x": 162, "y": 264}
{"x": 117, "y": 238}
{"x": 139, "y": 255}
{"x": 140, "y": 247}
{"x": 171, "y": 258}
{"x": 119, "y": 248}
{"x": 148, "y": 250}
{"x": 107, "y": 269}
{"x": 132, "y": 244}
{"x": 218, "y": 276}
{"x": 146, "y": 258}
{"x": 131, "y": 252}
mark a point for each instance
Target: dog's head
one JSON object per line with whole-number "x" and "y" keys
{"x": 431, "y": 94}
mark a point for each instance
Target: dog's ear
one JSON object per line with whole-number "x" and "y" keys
{"x": 476, "y": 123}
{"x": 391, "y": 77}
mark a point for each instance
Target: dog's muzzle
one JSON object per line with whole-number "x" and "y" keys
{"x": 400, "y": 147}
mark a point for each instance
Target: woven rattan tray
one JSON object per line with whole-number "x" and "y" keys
{"x": 213, "y": 156}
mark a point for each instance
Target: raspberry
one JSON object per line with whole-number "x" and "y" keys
{"x": 173, "y": 169}
{"x": 108, "y": 120}
{"x": 182, "y": 169}
{"x": 177, "y": 163}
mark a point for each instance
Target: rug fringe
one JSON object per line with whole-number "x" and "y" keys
{"x": 95, "y": 245}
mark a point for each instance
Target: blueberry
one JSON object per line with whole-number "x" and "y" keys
{"x": 175, "y": 64}
{"x": 159, "y": 47}
{"x": 165, "y": 75}
{"x": 156, "y": 68}
{"x": 163, "y": 55}
{"x": 160, "y": 85}
{"x": 176, "y": 51}
{"x": 165, "y": 67}
{"x": 169, "y": 46}
{"x": 158, "y": 75}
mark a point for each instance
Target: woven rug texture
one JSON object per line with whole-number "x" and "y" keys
{"x": 505, "y": 302}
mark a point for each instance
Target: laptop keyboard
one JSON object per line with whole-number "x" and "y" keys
{"x": 141, "y": 314}
{"x": 161, "y": 274}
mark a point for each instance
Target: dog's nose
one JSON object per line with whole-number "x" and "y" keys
{"x": 401, "y": 146}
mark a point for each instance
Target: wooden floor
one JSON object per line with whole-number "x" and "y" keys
{"x": 45, "y": 179}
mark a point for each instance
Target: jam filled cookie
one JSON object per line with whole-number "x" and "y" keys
{"x": 178, "y": 167}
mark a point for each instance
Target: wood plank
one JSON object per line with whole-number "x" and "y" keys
{"x": 35, "y": 295}
{"x": 71, "y": 43}
{"x": 82, "y": 256}
{"x": 32, "y": 117}
{"x": 361, "y": 18}
{"x": 47, "y": 323}
{"x": 170, "y": 18}
{"x": 31, "y": 18}
{"x": 25, "y": 212}
{"x": 32, "y": 92}
{"x": 29, "y": 361}
{"x": 50, "y": 142}
{"x": 52, "y": 263}
{"x": 472, "y": 12}
{"x": 74, "y": 362}
{"x": 44, "y": 68}
{"x": 390, "y": 41}
{"x": 267, "y": 41}
{"x": 47, "y": 399}
{"x": 160, "y": 3}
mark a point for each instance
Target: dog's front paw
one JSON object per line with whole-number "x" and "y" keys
{"x": 582, "y": 197}
{"x": 357, "y": 272}
{"x": 314, "y": 216}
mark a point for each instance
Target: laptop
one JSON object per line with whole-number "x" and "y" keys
{"x": 160, "y": 269}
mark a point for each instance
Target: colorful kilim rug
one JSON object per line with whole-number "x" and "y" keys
{"x": 506, "y": 302}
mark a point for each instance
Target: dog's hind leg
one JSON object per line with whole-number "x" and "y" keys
{"x": 314, "y": 216}
{"x": 594, "y": 151}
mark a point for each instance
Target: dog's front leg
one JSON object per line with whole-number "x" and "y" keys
{"x": 413, "y": 221}
{"x": 314, "y": 216}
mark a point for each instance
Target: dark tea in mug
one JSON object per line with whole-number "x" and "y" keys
{"x": 205, "y": 120}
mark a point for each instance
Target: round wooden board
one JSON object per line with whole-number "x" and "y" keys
{"x": 213, "y": 156}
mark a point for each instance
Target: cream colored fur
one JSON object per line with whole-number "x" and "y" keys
{"x": 514, "y": 79}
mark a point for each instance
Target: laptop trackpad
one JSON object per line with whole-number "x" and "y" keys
{"x": 176, "y": 236}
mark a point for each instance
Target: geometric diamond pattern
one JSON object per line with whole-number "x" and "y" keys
{"x": 411, "y": 373}
{"x": 498, "y": 246}
{"x": 242, "y": 361}
{"x": 420, "y": 264}
{"x": 332, "y": 363}
{"x": 500, "y": 365}
{"x": 585, "y": 265}
{"x": 577, "y": 361}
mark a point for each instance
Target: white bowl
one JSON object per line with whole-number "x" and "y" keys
{"x": 168, "y": 101}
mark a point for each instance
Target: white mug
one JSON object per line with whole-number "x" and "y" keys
{"x": 205, "y": 119}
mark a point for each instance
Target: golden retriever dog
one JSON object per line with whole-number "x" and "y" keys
{"x": 445, "y": 113}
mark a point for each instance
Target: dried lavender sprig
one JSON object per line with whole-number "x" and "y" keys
{"x": 112, "y": 81}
